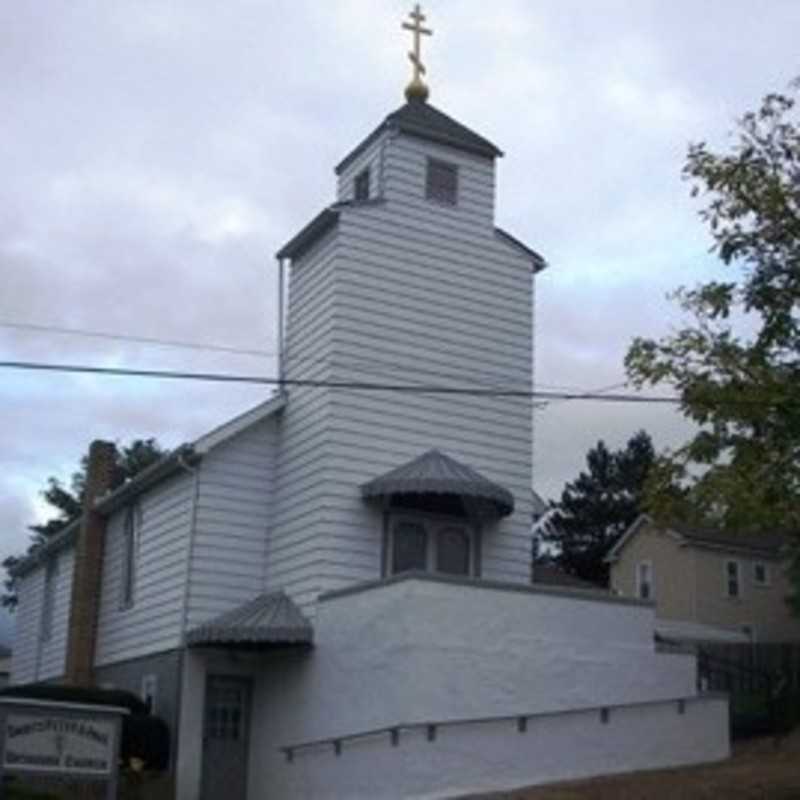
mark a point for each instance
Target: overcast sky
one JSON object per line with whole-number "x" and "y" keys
{"x": 155, "y": 155}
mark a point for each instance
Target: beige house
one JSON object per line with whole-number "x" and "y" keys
{"x": 707, "y": 578}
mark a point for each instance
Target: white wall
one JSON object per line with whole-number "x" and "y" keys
{"x": 34, "y": 659}
{"x": 404, "y": 291}
{"x": 234, "y": 504}
{"x": 53, "y": 656}
{"x": 295, "y": 558}
{"x": 417, "y": 650}
{"x": 494, "y": 757}
{"x": 154, "y": 622}
{"x": 30, "y": 592}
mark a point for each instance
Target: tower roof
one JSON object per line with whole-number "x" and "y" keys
{"x": 421, "y": 119}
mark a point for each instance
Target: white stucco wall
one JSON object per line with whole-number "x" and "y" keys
{"x": 495, "y": 756}
{"x": 418, "y": 650}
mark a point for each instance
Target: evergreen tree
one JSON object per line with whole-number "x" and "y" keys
{"x": 67, "y": 501}
{"x": 597, "y": 507}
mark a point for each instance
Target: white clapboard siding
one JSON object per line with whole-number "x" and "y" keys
{"x": 153, "y": 622}
{"x": 53, "y": 655}
{"x": 234, "y": 503}
{"x": 35, "y": 658}
{"x": 300, "y": 467}
{"x": 372, "y": 158}
{"x": 30, "y": 593}
{"x": 404, "y": 291}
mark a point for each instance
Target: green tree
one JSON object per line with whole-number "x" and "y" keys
{"x": 597, "y": 507}
{"x": 66, "y": 502}
{"x": 736, "y": 363}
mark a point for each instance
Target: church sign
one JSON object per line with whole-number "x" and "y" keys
{"x": 44, "y": 738}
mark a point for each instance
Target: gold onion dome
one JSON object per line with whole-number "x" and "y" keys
{"x": 417, "y": 89}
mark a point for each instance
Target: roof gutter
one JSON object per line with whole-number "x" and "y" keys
{"x": 176, "y": 461}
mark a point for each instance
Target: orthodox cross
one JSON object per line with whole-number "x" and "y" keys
{"x": 417, "y": 88}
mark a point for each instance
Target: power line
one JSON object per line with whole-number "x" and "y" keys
{"x": 216, "y": 377}
{"x": 122, "y": 337}
{"x": 365, "y": 364}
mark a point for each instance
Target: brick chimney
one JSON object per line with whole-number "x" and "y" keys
{"x": 85, "y": 605}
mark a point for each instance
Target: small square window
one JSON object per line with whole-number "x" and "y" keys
{"x": 361, "y": 186}
{"x": 760, "y": 574}
{"x": 441, "y": 182}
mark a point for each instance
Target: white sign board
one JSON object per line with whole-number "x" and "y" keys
{"x": 62, "y": 744}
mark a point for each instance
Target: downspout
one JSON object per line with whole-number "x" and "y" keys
{"x": 195, "y": 475}
{"x": 281, "y": 364}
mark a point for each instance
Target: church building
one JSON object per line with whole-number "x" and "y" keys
{"x": 330, "y": 595}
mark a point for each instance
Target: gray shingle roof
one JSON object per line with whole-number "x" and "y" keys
{"x": 270, "y": 618}
{"x": 319, "y": 226}
{"x": 436, "y": 473}
{"x": 420, "y": 119}
{"x": 767, "y": 543}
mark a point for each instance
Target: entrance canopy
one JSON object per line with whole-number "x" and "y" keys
{"x": 269, "y": 619}
{"x": 434, "y": 473}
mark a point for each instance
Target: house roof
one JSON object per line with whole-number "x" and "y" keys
{"x": 765, "y": 544}
{"x": 270, "y": 618}
{"x": 548, "y": 575}
{"x": 421, "y": 119}
{"x": 185, "y": 455}
{"x": 679, "y": 630}
{"x": 538, "y": 261}
{"x": 327, "y": 219}
{"x": 436, "y": 473}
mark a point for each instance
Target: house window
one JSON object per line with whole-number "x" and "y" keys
{"x": 48, "y": 601}
{"x": 452, "y": 551}
{"x": 732, "y": 582}
{"x": 761, "y": 574}
{"x": 429, "y": 547}
{"x": 410, "y": 547}
{"x": 149, "y": 692}
{"x": 130, "y": 549}
{"x": 644, "y": 580}
{"x": 361, "y": 186}
{"x": 441, "y": 182}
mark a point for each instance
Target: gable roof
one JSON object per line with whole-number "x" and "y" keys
{"x": 420, "y": 119}
{"x": 187, "y": 454}
{"x": 765, "y": 544}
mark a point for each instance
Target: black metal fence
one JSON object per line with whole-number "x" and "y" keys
{"x": 763, "y": 681}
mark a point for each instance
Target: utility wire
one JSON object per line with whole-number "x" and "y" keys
{"x": 327, "y": 384}
{"x": 364, "y": 364}
{"x": 407, "y": 388}
{"x": 120, "y": 337}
